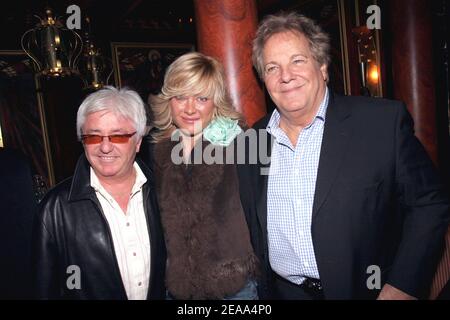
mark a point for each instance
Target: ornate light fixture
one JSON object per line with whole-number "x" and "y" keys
{"x": 368, "y": 61}
{"x": 95, "y": 69}
{"x": 54, "y": 48}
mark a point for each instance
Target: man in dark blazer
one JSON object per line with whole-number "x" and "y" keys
{"x": 351, "y": 207}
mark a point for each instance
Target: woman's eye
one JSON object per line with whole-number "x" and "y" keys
{"x": 299, "y": 61}
{"x": 202, "y": 99}
{"x": 181, "y": 98}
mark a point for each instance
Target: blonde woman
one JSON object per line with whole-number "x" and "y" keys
{"x": 209, "y": 252}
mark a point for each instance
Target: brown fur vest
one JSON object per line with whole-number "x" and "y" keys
{"x": 208, "y": 244}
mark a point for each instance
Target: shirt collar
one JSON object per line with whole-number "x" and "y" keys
{"x": 274, "y": 123}
{"x": 139, "y": 182}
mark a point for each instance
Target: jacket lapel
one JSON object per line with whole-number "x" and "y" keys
{"x": 263, "y": 176}
{"x": 335, "y": 140}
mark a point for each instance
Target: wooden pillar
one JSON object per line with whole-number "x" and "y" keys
{"x": 412, "y": 61}
{"x": 225, "y": 30}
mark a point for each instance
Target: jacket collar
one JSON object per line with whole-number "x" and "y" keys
{"x": 336, "y": 136}
{"x": 81, "y": 189}
{"x": 336, "y": 113}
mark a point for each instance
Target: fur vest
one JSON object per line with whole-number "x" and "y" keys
{"x": 208, "y": 243}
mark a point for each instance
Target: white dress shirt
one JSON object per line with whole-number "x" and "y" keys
{"x": 129, "y": 234}
{"x": 290, "y": 197}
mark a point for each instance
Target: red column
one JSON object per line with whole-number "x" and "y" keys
{"x": 412, "y": 61}
{"x": 225, "y": 30}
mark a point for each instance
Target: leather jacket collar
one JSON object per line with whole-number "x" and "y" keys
{"x": 81, "y": 189}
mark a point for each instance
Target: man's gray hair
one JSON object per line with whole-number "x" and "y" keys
{"x": 319, "y": 41}
{"x": 123, "y": 101}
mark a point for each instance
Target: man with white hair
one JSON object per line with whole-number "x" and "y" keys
{"x": 98, "y": 233}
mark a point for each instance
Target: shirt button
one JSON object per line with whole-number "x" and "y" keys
{"x": 128, "y": 224}
{"x": 140, "y": 284}
{"x": 134, "y": 254}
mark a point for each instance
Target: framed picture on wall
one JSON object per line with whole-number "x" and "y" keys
{"x": 22, "y": 121}
{"x": 141, "y": 66}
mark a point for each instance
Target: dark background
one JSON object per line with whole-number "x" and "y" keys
{"x": 172, "y": 22}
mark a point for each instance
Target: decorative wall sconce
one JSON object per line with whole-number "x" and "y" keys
{"x": 95, "y": 69}
{"x": 369, "y": 65}
{"x": 54, "y": 48}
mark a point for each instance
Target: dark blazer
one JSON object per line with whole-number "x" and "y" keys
{"x": 71, "y": 229}
{"x": 18, "y": 207}
{"x": 377, "y": 201}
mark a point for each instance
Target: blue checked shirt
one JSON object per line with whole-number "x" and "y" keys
{"x": 290, "y": 196}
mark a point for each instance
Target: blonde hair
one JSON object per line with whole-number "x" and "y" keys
{"x": 192, "y": 74}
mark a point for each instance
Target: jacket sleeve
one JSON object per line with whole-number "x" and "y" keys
{"x": 45, "y": 275}
{"x": 425, "y": 210}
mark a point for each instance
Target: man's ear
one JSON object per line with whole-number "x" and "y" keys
{"x": 138, "y": 145}
{"x": 324, "y": 71}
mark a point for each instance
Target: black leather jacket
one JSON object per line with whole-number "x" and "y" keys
{"x": 71, "y": 229}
